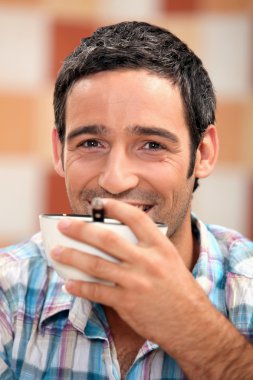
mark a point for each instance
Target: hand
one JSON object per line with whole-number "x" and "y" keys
{"x": 153, "y": 286}
{"x": 155, "y": 294}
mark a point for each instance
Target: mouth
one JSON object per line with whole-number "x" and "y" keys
{"x": 143, "y": 207}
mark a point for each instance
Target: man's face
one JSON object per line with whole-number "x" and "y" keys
{"x": 126, "y": 138}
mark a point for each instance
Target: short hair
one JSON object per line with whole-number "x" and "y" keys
{"x": 140, "y": 45}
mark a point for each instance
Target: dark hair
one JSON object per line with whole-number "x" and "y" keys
{"x": 139, "y": 45}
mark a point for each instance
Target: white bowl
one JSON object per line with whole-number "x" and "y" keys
{"x": 52, "y": 237}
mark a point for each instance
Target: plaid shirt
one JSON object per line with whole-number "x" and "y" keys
{"x": 47, "y": 334}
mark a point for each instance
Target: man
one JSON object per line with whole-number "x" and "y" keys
{"x": 135, "y": 115}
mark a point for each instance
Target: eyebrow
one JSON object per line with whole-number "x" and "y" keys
{"x": 150, "y": 130}
{"x": 87, "y": 129}
{"x": 99, "y": 129}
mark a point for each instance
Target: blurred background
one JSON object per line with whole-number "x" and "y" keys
{"x": 36, "y": 35}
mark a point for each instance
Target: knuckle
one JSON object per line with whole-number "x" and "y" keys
{"x": 95, "y": 291}
{"x": 95, "y": 265}
{"x": 154, "y": 265}
{"x": 142, "y": 284}
{"x": 75, "y": 229}
{"x": 67, "y": 256}
{"x": 108, "y": 238}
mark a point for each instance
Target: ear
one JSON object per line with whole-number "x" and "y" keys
{"x": 207, "y": 153}
{"x": 57, "y": 153}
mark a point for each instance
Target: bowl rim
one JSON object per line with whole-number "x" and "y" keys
{"x": 90, "y": 219}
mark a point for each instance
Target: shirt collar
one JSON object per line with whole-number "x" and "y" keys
{"x": 86, "y": 317}
{"x": 89, "y": 318}
{"x": 56, "y": 300}
{"x": 211, "y": 268}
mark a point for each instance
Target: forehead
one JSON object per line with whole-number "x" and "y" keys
{"x": 118, "y": 99}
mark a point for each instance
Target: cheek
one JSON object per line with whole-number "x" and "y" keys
{"x": 164, "y": 177}
{"x": 79, "y": 174}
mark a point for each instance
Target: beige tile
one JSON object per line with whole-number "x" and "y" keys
{"x": 128, "y": 10}
{"x": 21, "y": 196}
{"x": 223, "y": 198}
{"x": 226, "y": 41}
{"x": 25, "y": 48}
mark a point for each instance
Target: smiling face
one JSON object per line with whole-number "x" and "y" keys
{"x": 126, "y": 137}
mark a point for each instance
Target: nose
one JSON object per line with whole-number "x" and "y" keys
{"x": 118, "y": 174}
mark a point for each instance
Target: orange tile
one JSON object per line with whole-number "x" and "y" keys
{"x": 44, "y": 117}
{"x": 16, "y": 123}
{"x": 233, "y": 125}
{"x": 71, "y": 9}
{"x": 225, "y": 6}
{"x": 251, "y": 52}
{"x": 184, "y": 26}
{"x": 247, "y": 138}
{"x": 20, "y": 3}
{"x": 66, "y": 36}
{"x": 251, "y": 211}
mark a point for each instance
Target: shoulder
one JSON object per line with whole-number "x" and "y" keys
{"x": 21, "y": 266}
{"x": 22, "y": 254}
{"x": 239, "y": 279}
{"x": 237, "y": 253}
{"x": 25, "y": 250}
{"x": 235, "y": 248}
{"x": 30, "y": 290}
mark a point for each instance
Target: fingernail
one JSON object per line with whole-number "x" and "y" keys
{"x": 56, "y": 251}
{"x": 69, "y": 285}
{"x": 64, "y": 224}
{"x": 64, "y": 289}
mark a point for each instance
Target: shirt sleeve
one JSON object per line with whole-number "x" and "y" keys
{"x": 6, "y": 338}
{"x": 239, "y": 288}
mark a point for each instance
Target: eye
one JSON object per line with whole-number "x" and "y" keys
{"x": 89, "y": 144}
{"x": 153, "y": 145}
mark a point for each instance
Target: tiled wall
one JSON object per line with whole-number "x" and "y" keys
{"x": 36, "y": 35}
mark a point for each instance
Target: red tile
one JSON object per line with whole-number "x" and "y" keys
{"x": 66, "y": 36}
{"x": 180, "y": 5}
{"x": 56, "y": 199}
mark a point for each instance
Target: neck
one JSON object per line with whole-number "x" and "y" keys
{"x": 186, "y": 243}
{"x": 126, "y": 341}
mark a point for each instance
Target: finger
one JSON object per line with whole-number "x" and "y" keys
{"x": 139, "y": 222}
{"x": 92, "y": 265}
{"x": 105, "y": 295}
{"x": 101, "y": 238}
